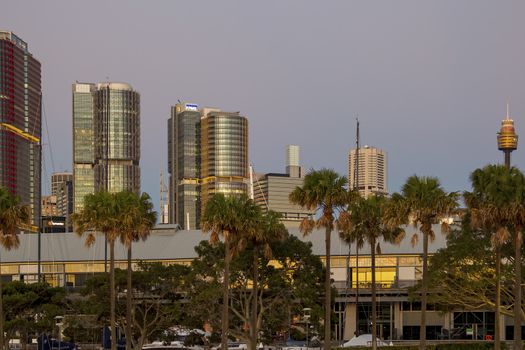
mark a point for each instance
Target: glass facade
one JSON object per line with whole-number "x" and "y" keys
{"x": 224, "y": 160}
{"x": 20, "y": 119}
{"x": 83, "y": 143}
{"x": 184, "y": 165}
{"x": 117, "y": 138}
{"x": 106, "y": 139}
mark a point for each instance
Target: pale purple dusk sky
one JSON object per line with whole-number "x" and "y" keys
{"x": 428, "y": 79}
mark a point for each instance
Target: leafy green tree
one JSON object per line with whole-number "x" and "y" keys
{"x": 100, "y": 214}
{"x": 159, "y": 291}
{"x": 422, "y": 202}
{"x": 12, "y": 215}
{"x": 229, "y": 218}
{"x": 324, "y": 191}
{"x": 31, "y": 309}
{"x": 365, "y": 221}
{"x": 461, "y": 275}
{"x": 292, "y": 279}
{"x": 270, "y": 231}
{"x": 494, "y": 190}
{"x": 137, "y": 218}
{"x": 497, "y": 203}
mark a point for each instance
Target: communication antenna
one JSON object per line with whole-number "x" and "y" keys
{"x": 356, "y": 184}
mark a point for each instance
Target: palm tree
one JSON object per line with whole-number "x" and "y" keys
{"x": 137, "y": 219}
{"x": 100, "y": 214}
{"x": 12, "y": 215}
{"x": 422, "y": 202}
{"x": 493, "y": 189}
{"x": 365, "y": 221}
{"x": 270, "y": 230}
{"x": 323, "y": 190}
{"x": 227, "y": 217}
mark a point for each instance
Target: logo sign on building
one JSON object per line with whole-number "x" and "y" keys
{"x": 191, "y": 107}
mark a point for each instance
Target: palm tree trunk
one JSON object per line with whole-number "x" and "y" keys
{"x": 1, "y": 314}
{"x": 225, "y": 295}
{"x": 374, "y": 302}
{"x": 253, "y": 325}
{"x": 328, "y": 293}
{"x": 517, "y": 291}
{"x": 423, "y": 329}
{"x": 112, "y": 294}
{"x": 128, "y": 302}
{"x": 357, "y": 289}
{"x": 497, "y": 334}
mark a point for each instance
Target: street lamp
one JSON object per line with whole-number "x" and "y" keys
{"x": 306, "y": 316}
{"x": 59, "y": 324}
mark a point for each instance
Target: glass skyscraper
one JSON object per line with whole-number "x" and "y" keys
{"x": 117, "y": 138}
{"x": 224, "y": 159}
{"x": 184, "y": 164}
{"x": 207, "y": 154}
{"x": 106, "y": 139}
{"x": 83, "y": 143}
{"x": 20, "y": 122}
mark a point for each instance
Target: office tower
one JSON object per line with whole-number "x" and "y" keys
{"x": 49, "y": 205}
{"x": 20, "y": 122}
{"x": 224, "y": 154}
{"x": 62, "y": 188}
{"x": 57, "y": 179}
{"x": 371, "y": 174}
{"x": 292, "y": 161}
{"x": 272, "y": 190}
{"x": 117, "y": 138}
{"x": 106, "y": 139}
{"x": 507, "y": 138}
{"x": 207, "y": 154}
{"x": 184, "y": 164}
{"x": 83, "y": 143}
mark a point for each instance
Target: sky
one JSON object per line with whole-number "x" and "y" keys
{"x": 428, "y": 80}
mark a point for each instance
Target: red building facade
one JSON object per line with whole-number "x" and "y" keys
{"x": 20, "y": 122}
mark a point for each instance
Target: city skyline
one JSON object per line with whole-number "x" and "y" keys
{"x": 416, "y": 92}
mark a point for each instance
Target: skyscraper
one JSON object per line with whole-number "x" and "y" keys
{"x": 117, "y": 138}
{"x": 207, "y": 154}
{"x": 106, "y": 139}
{"x": 224, "y": 154}
{"x": 371, "y": 174}
{"x": 62, "y": 190}
{"x": 20, "y": 122}
{"x": 184, "y": 164}
{"x": 83, "y": 143}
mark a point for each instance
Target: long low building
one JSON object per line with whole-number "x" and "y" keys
{"x": 66, "y": 261}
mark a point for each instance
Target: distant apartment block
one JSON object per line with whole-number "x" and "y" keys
{"x": 367, "y": 171}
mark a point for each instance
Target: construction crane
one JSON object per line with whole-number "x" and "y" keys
{"x": 19, "y": 132}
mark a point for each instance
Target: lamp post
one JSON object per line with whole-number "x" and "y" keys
{"x": 59, "y": 324}
{"x": 306, "y": 316}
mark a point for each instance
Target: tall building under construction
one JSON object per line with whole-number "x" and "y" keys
{"x": 20, "y": 122}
